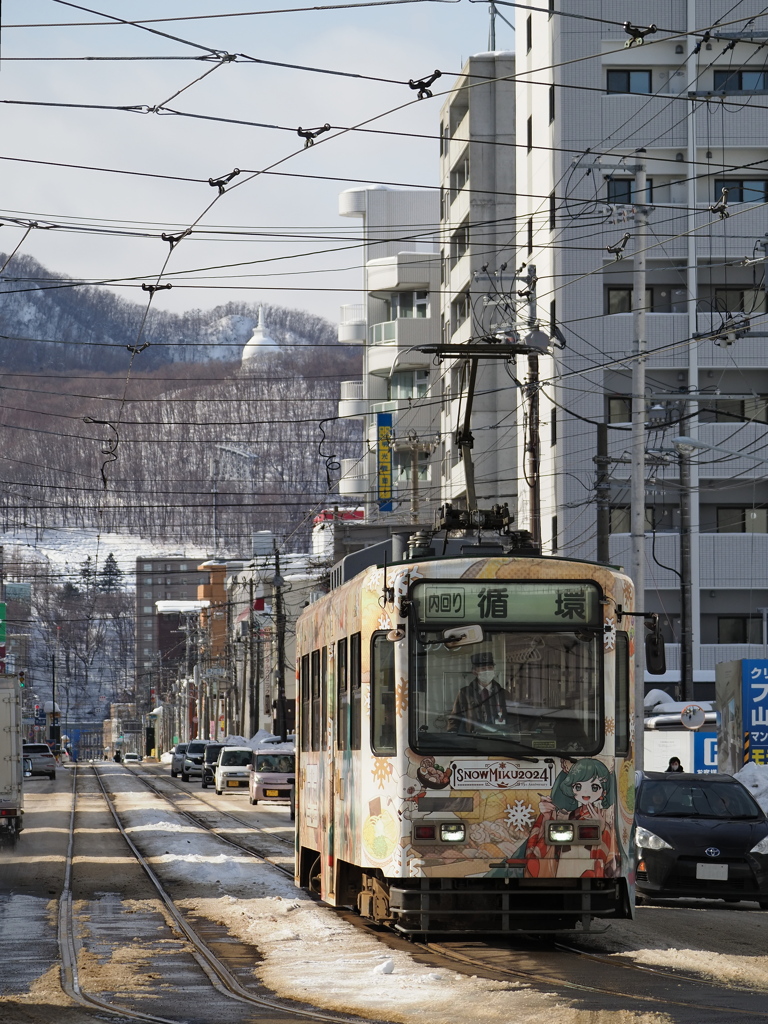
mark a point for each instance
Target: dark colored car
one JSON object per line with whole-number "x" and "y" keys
{"x": 700, "y": 836}
{"x": 210, "y": 757}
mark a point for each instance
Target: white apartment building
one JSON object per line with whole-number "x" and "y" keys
{"x": 692, "y": 108}
{"x": 398, "y": 396}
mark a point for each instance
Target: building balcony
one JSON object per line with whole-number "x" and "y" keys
{"x": 354, "y": 481}
{"x": 736, "y": 436}
{"x": 352, "y": 324}
{"x": 712, "y": 655}
{"x": 399, "y": 341}
{"x": 727, "y": 561}
{"x": 352, "y": 404}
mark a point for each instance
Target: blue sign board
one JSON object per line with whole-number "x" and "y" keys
{"x": 705, "y": 753}
{"x": 384, "y": 460}
{"x": 754, "y": 698}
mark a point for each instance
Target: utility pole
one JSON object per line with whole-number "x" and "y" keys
{"x": 278, "y": 583}
{"x": 415, "y": 447}
{"x": 533, "y": 445}
{"x": 603, "y": 494}
{"x": 686, "y": 573}
{"x": 637, "y": 478}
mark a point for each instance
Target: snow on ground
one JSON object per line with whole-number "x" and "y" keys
{"x": 309, "y": 954}
{"x": 67, "y": 547}
{"x": 680, "y": 935}
{"x": 755, "y": 778}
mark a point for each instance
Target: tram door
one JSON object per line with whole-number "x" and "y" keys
{"x": 329, "y": 752}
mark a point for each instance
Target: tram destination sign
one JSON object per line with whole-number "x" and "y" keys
{"x": 565, "y": 604}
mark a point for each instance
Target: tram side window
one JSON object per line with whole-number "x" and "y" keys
{"x": 323, "y": 697}
{"x": 355, "y": 692}
{"x": 622, "y": 694}
{"x": 383, "y": 695}
{"x": 305, "y": 704}
{"x": 315, "y": 663}
{"x": 342, "y": 695}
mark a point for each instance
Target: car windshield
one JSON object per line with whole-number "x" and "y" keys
{"x": 212, "y": 752}
{"x": 181, "y": 748}
{"x": 693, "y": 799}
{"x": 235, "y": 758}
{"x": 515, "y": 693}
{"x": 36, "y": 748}
{"x": 275, "y": 763}
{"x": 196, "y": 748}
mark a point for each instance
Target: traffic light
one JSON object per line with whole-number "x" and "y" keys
{"x": 22, "y": 678}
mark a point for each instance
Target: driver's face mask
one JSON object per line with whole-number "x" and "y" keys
{"x": 485, "y": 676}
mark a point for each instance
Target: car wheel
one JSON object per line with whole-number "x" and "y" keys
{"x": 218, "y": 792}
{"x": 204, "y": 784}
{"x": 763, "y": 904}
{"x": 52, "y": 776}
{"x": 184, "y": 777}
{"x": 173, "y": 774}
{"x": 251, "y": 801}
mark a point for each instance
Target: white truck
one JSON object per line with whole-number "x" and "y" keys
{"x": 11, "y": 768}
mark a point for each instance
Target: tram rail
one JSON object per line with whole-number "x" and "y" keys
{"x": 217, "y": 973}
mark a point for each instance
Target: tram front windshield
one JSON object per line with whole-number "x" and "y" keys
{"x": 526, "y": 692}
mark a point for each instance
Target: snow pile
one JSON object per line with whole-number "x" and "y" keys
{"x": 755, "y": 778}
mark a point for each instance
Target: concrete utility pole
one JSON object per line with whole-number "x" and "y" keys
{"x": 415, "y": 447}
{"x": 278, "y": 583}
{"x": 603, "y": 493}
{"x": 637, "y": 478}
{"x": 686, "y": 567}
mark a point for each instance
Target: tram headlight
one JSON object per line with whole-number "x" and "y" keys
{"x": 647, "y": 840}
{"x": 560, "y": 832}
{"x": 453, "y": 832}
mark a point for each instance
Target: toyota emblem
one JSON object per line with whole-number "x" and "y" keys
{"x": 712, "y": 851}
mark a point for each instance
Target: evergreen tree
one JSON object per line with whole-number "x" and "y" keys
{"x": 86, "y": 573}
{"x": 110, "y": 576}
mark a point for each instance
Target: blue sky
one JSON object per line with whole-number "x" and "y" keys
{"x": 395, "y": 42}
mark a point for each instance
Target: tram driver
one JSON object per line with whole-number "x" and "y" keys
{"x": 482, "y": 702}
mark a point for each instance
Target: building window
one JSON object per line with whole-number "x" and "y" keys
{"x": 528, "y": 34}
{"x": 183, "y": 567}
{"x": 744, "y": 80}
{"x": 551, "y": 104}
{"x": 742, "y": 520}
{"x": 629, "y": 81}
{"x": 407, "y": 305}
{"x": 407, "y": 384}
{"x": 739, "y": 629}
{"x": 742, "y": 190}
{"x": 529, "y": 134}
{"x": 147, "y": 567}
{"x": 658, "y": 299}
{"x": 553, "y": 426}
{"x": 460, "y": 309}
{"x": 459, "y": 243}
{"x": 459, "y": 176}
{"x": 621, "y": 519}
{"x": 402, "y": 466}
{"x": 621, "y": 191}
{"x": 147, "y": 593}
{"x": 148, "y": 609}
{"x": 731, "y": 300}
{"x": 735, "y": 410}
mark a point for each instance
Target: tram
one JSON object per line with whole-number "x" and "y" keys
{"x": 464, "y": 747}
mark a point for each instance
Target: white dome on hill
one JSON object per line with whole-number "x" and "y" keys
{"x": 260, "y": 343}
